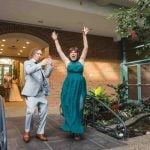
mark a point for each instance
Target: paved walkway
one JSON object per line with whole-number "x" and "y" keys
{"x": 137, "y": 143}
{"x": 17, "y": 109}
{"x": 58, "y": 140}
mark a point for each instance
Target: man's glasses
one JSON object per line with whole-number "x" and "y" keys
{"x": 39, "y": 53}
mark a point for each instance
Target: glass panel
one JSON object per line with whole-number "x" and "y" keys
{"x": 145, "y": 70}
{"x": 145, "y": 91}
{"x": 145, "y": 79}
{"x": 132, "y": 81}
{"x": 132, "y": 92}
{"x": 6, "y": 69}
{"x": 1, "y": 67}
{"x": 132, "y": 75}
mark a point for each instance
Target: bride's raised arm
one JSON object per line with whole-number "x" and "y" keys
{"x": 85, "y": 44}
{"x": 59, "y": 49}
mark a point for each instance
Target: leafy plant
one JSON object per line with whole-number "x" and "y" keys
{"x": 120, "y": 95}
{"x": 102, "y": 116}
{"x": 133, "y": 21}
{"x": 100, "y": 94}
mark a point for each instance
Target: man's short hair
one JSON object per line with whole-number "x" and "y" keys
{"x": 33, "y": 51}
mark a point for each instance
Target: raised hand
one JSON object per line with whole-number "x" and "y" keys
{"x": 49, "y": 60}
{"x": 58, "y": 48}
{"x": 85, "y": 30}
{"x": 44, "y": 62}
{"x": 54, "y": 35}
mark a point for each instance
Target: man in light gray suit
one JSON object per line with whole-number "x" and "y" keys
{"x": 35, "y": 90}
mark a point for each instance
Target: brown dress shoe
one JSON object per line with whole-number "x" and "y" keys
{"x": 41, "y": 137}
{"x": 26, "y": 137}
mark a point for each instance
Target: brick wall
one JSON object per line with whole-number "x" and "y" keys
{"x": 103, "y": 60}
{"x": 97, "y": 73}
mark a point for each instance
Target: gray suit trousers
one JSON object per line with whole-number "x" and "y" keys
{"x": 32, "y": 103}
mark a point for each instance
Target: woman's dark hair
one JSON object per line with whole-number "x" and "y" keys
{"x": 73, "y": 49}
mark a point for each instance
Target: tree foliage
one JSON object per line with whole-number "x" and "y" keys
{"x": 135, "y": 21}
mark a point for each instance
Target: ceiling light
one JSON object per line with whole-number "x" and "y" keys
{"x": 21, "y": 51}
{"x": 1, "y": 52}
{"x": 1, "y": 49}
{"x": 18, "y": 54}
{"x": 3, "y": 40}
{"x": 27, "y": 42}
{"x": 2, "y": 45}
{"x": 24, "y": 47}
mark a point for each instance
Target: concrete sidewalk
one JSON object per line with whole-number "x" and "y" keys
{"x": 136, "y": 143}
{"x": 17, "y": 109}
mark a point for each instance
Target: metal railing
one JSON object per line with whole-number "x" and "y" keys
{"x": 3, "y": 133}
{"x": 118, "y": 130}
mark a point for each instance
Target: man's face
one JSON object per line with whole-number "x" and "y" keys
{"x": 37, "y": 56}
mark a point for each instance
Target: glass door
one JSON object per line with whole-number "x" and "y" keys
{"x": 1, "y": 74}
{"x": 7, "y": 69}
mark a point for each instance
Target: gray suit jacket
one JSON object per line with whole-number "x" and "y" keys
{"x": 35, "y": 79}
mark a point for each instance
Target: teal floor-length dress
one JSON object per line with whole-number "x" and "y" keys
{"x": 73, "y": 98}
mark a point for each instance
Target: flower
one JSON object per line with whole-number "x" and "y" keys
{"x": 98, "y": 91}
{"x": 133, "y": 34}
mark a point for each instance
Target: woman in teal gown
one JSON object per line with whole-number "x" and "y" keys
{"x": 73, "y": 93}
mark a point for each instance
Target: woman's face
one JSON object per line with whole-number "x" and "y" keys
{"x": 73, "y": 55}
